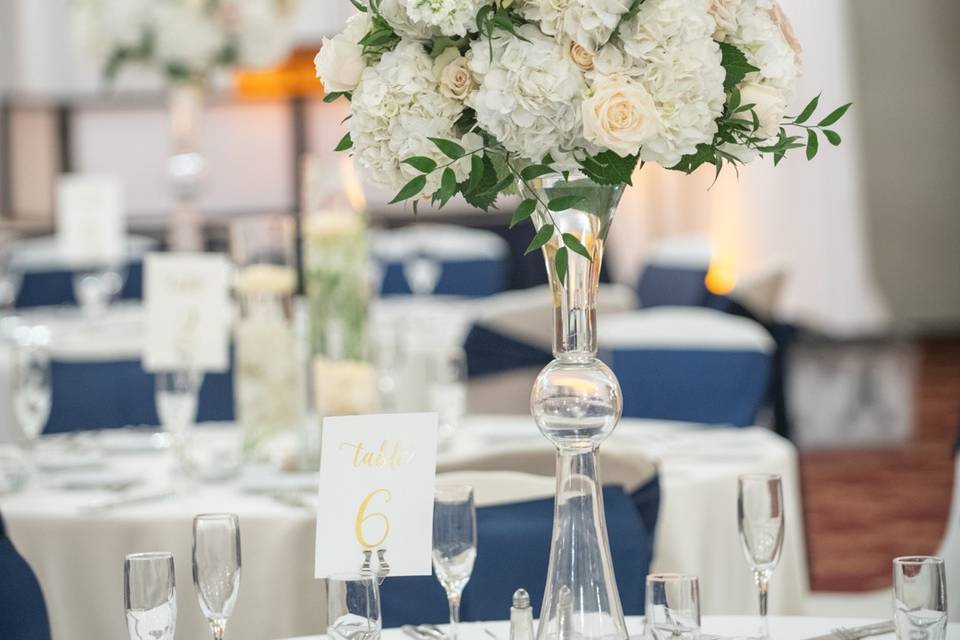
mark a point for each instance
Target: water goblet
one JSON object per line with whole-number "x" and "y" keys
{"x": 673, "y": 606}
{"x": 150, "y": 596}
{"x": 31, "y": 380}
{"x": 920, "y": 598}
{"x": 216, "y": 567}
{"x": 353, "y": 606}
{"x": 761, "y": 523}
{"x": 454, "y": 544}
{"x": 176, "y": 399}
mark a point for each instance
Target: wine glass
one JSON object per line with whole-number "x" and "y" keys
{"x": 673, "y": 606}
{"x": 353, "y": 607}
{"x": 150, "y": 596}
{"x": 422, "y": 273}
{"x": 176, "y": 399}
{"x": 760, "y": 518}
{"x": 95, "y": 288}
{"x": 31, "y": 380}
{"x": 920, "y": 598}
{"x": 454, "y": 544}
{"x": 216, "y": 567}
{"x": 446, "y": 387}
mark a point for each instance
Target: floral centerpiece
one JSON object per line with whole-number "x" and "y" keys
{"x": 562, "y": 101}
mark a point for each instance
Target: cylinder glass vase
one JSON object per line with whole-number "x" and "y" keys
{"x": 187, "y": 165}
{"x": 577, "y": 402}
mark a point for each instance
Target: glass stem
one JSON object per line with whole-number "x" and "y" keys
{"x": 453, "y": 599}
{"x": 763, "y": 586}
{"x": 219, "y": 629}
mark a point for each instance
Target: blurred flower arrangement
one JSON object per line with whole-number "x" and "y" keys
{"x": 475, "y": 97}
{"x": 186, "y": 40}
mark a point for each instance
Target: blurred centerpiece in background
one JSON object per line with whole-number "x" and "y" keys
{"x": 186, "y": 42}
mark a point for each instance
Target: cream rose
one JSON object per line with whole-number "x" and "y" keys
{"x": 771, "y": 106}
{"x": 453, "y": 74}
{"x": 786, "y": 27}
{"x": 724, "y": 12}
{"x": 620, "y": 116}
{"x": 579, "y": 55}
{"x": 340, "y": 61}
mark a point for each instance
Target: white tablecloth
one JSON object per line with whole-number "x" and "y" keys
{"x": 78, "y": 555}
{"x": 781, "y": 628}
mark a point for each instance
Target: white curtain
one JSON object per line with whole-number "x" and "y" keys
{"x": 807, "y": 218}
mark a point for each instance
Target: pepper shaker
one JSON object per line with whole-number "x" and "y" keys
{"x": 521, "y": 616}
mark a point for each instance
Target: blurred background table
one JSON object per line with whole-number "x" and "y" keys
{"x": 77, "y": 554}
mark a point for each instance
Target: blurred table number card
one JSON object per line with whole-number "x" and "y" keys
{"x": 91, "y": 225}
{"x": 377, "y": 476}
{"x": 188, "y": 311}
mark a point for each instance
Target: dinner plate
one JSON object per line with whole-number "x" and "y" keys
{"x": 97, "y": 481}
{"x": 131, "y": 440}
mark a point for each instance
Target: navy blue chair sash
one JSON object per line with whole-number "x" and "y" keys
{"x": 513, "y": 551}
{"x": 489, "y": 352}
{"x": 51, "y": 288}
{"x": 661, "y": 286}
{"x": 470, "y": 278}
{"x": 23, "y": 612}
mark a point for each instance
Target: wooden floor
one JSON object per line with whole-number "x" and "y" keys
{"x": 865, "y": 507}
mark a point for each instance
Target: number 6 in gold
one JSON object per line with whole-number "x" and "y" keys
{"x": 363, "y": 517}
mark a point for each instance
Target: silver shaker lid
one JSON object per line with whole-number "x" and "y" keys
{"x": 521, "y": 599}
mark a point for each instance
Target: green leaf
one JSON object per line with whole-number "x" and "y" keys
{"x": 808, "y": 111}
{"x": 448, "y": 186}
{"x": 346, "y": 142}
{"x": 360, "y": 7}
{"x": 477, "y": 169}
{"x": 835, "y": 116}
{"x": 482, "y": 193}
{"x": 736, "y": 65}
{"x": 564, "y": 202}
{"x": 610, "y": 169}
{"x": 535, "y": 171}
{"x": 574, "y": 244}
{"x": 524, "y": 210}
{"x": 448, "y": 148}
{"x": 422, "y": 164}
{"x": 543, "y": 237}
{"x": 411, "y": 189}
{"x": 833, "y": 137}
{"x": 813, "y": 144}
{"x": 561, "y": 261}
{"x": 443, "y": 43}
{"x": 336, "y": 95}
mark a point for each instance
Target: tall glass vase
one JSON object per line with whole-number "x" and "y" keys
{"x": 187, "y": 165}
{"x": 576, "y": 402}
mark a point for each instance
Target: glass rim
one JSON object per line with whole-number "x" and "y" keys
{"x": 672, "y": 577}
{"x": 760, "y": 476}
{"x": 453, "y": 492}
{"x": 216, "y": 516}
{"x": 353, "y": 577}
{"x": 917, "y": 560}
{"x": 149, "y": 555}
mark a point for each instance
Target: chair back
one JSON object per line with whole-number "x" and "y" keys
{"x": 675, "y": 273}
{"x": 23, "y": 612}
{"x": 688, "y": 364}
{"x": 466, "y": 262}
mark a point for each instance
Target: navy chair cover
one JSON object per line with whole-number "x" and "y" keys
{"x": 708, "y": 387}
{"x": 469, "y": 278}
{"x": 23, "y": 613}
{"x": 664, "y": 286}
{"x": 104, "y": 395}
{"x": 49, "y": 288}
{"x": 513, "y": 551}
{"x": 489, "y": 352}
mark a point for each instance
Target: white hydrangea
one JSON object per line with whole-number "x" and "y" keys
{"x": 451, "y": 17}
{"x": 589, "y": 23}
{"x": 530, "y": 95}
{"x": 186, "y": 35}
{"x": 396, "y": 108}
{"x": 395, "y": 13}
{"x": 669, "y": 48}
{"x": 765, "y": 42}
{"x": 263, "y": 30}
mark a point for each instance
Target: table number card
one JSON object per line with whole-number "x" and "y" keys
{"x": 91, "y": 226}
{"x": 188, "y": 311}
{"x": 376, "y": 492}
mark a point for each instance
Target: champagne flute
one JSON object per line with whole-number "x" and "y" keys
{"x": 150, "y": 596}
{"x": 454, "y": 544}
{"x": 760, "y": 518}
{"x": 216, "y": 567}
{"x": 176, "y": 400}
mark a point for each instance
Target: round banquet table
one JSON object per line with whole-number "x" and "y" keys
{"x": 78, "y": 554}
{"x": 781, "y": 628}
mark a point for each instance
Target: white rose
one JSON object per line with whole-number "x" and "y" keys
{"x": 453, "y": 74}
{"x": 771, "y": 106}
{"x": 340, "y": 61}
{"x": 579, "y": 55}
{"x": 620, "y": 115}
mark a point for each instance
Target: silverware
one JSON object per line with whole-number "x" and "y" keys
{"x": 858, "y": 633}
{"x": 432, "y": 631}
{"x": 128, "y": 501}
{"x": 410, "y": 630}
{"x": 490, "y": 633}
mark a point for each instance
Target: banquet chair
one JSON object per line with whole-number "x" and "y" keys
{"x": 510, "y": 342}
{"x": 688, "y": 364}
{"x": 675, "y": 273}
{"x": 514, "y": 526}
{"x": 440, "y": 259}
{"x": 23, "y": 613}
{"x": 950, "y": 549}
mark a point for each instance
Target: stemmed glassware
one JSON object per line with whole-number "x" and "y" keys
{"x": 150, "y": 596}
{"x": 673, "y": 606}
{"x": 760, "y": 518}
{"x": 176, "y": 399}
{"x": 353, "y": 607}
{"x": 31, "y": 380}
{"x": 216, "y": 567}
{"x": 920, "y": 598}
{"x": 454, "y": 544}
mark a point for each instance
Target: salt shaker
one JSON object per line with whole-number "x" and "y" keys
{"x": 521, "y": 616}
